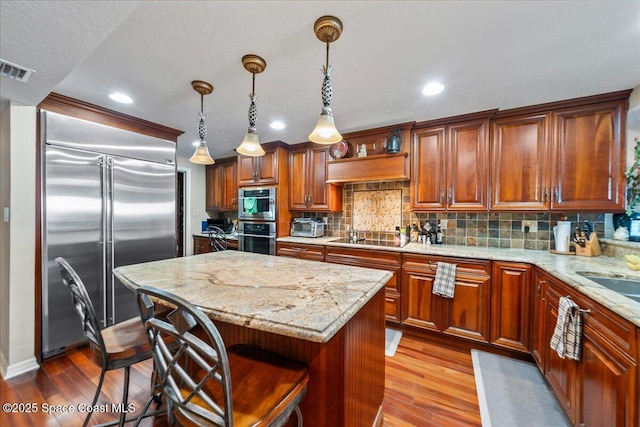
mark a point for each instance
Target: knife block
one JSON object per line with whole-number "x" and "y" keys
{"x": 591, "y": 247}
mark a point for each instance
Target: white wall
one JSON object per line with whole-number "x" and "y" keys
{"x": 17, "y": 239}
{"x": 195, "y": 199}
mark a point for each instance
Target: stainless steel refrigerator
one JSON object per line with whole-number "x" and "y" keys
{"x": 108, "y": 200}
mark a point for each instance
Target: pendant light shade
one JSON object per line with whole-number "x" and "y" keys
{"x": 327, "y": 29}
{"x": 201, "y": 156}
{"x": 250, "y": 145}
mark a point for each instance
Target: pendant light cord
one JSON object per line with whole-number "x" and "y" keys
{"x": 327, "y": 65}
{"x": 253, "y": 85}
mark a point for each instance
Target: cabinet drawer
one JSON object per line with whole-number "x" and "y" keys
{"x": 201, "y": 245}
{"x": 428, "y": 263}
{"x": 392, "y": 306}
{"x": 301, "y": 251}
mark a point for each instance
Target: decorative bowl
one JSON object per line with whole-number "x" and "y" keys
{"x": 339, "y": 149}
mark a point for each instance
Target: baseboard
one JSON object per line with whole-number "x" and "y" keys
{"x": 9, "y": 371}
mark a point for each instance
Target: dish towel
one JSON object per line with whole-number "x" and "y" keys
{"x": 567, "y": 335}
{"x": 250, "y": 205}
{"x": 445, "y": 281}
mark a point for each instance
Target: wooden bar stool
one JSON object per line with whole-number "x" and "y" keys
{"x": 118, "y": 346}
{"x": 205, "y": 384}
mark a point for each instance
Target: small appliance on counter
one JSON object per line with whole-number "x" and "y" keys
{"x": 306, "y": 227}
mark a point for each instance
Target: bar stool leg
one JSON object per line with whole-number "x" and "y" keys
{"x": 95, "y": 398}
{"x": 299, "y": 416}
{"x": 125, "y": 396}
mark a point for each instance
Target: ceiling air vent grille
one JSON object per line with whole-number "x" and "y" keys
{"x": 14, "y": 71}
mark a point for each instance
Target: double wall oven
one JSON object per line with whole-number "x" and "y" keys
{"x": 257, "y": 220}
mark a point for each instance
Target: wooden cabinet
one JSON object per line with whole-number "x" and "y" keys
{"x": 520, "y": 162}
{"x": 308, "y": 190}
{"x": 539, "y": 345}
{"x": 300, "y": 251}
{"x": 201, "y": 245}
{"x": 511, "y": 305}
{"x": 450, "y": 164}
{"x": 264, "y": 170}
{"x": 565, "y": 156}
{"x": 589, "y": 158}
{"x": 466, "y": 315}
{"x": 222, "y": 186}
{"x": 382, "y": 260}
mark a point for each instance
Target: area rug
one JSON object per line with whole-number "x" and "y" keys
{"x": 391, "y": 341}
{"x": 513, "y": 393}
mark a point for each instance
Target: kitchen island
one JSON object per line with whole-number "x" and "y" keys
{"x": 328, "y": 316}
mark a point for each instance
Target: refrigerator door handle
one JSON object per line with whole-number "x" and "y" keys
{"x": 103, "y": 238}
{"x": 110, "y": 259}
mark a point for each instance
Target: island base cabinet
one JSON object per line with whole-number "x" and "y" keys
{"x": 346, "y": 374}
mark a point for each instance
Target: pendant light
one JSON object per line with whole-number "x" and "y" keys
{"x": 250, "y": 146}
{"x": 327, "y": 29}
{"x": 201, "y": 156}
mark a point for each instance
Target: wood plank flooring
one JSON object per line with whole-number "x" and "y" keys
{"x": 426, "y": 384}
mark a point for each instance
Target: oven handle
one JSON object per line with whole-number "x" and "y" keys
{"x": 271, "y": 199}
{"x": 269, "y": 236}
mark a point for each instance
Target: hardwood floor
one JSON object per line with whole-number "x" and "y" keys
{"x": 426, "y": 385}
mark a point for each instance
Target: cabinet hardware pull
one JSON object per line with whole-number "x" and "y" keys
{"x": 540, "y": 286}
{"x": 450, "y": 196}
{"x": 545, "y": 196}
{"x": 442, "y": 197}
{"x": 556, "y": 195}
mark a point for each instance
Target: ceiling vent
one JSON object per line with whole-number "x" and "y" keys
{"x": 14, "y": 71}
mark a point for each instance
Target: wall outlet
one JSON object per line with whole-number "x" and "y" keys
{"x": 443, "y": 224}
{"x": 325, "y": 219}
{"x": 533, "y": 226}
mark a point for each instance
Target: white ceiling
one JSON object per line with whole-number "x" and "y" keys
{"x": 489, "y": 54}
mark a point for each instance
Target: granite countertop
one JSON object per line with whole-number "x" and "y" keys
{"x": 564, "y": 267}
{"x": 297, "y": 298}
{"x": 230, "y": 236}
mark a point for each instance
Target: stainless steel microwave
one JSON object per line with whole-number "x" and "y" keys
{"x": 306, "y": 227}
{"x": 257, "y": 203}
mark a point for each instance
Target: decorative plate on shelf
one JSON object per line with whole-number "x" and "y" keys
{"x": 339, "y": 149}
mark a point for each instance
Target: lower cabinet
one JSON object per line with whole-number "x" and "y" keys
{"x": 381, "y": 260}
{"x": 300, "y": 251}
{"x": 511, "y": 305}
{"x": 601, "y": 388}
{"x": 465, "y": 315}
{"x": 201, "y": 245}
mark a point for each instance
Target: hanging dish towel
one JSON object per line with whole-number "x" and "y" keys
{"x": 567, "y": 335}
{"x": 250, "y": 205}
{"x": 445, "y": 281}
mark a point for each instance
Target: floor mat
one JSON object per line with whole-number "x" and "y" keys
{"x": 513, "y": 393}
{"x": 391, "y": 341}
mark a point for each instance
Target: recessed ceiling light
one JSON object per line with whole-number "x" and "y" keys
{"x": 120, "y": 97}
{"x": 277, "y": 125}
{"x": 432, "y": 88}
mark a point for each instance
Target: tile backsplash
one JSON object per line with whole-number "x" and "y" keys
{"x": 489, "y": 229}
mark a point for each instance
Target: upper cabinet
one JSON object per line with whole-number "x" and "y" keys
{"x": 450, "y": 163}
{"x": 566, "y": 156}
{"x": 222, "y": 186}
{"x": 308, "y": 190}
{"x": 264, "y": 170}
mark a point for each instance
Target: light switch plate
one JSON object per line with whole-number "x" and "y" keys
{"x": 5, "y": 214}
{"x": 443, "y": 224}
{"x": 533, "y": 226}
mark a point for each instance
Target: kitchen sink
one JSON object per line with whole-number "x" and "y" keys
{"x": 617, "y": 283}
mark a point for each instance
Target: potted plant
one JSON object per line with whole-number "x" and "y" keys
{"x": 633, "y": 180}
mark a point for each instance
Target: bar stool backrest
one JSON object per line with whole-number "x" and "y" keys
{"x": 217, "y": 238}
{"x": 191, "y": 360}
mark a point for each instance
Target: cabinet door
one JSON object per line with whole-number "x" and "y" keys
{"x": 201, "y": 245}
{"x": 520, "y": 163}
{"x": 467, "y": 314}
{"x": 212, "y": 197}
{"x": 428, "y": 182}
{"x": 322, "y": 196}
{"x": 539, "y": 346}
{"x": 246, "y": 170}
{"x": 228, "y": 186}
{"x": 589, "y": 159}
{"x": 298, "y": 196}
{"x": 510, "y": 305}
{"x": 608, "y": 383}
{"x": 423, "y": 308}
{"x": 560, "y": 373}
{"x": 267, "y": 168}
{"x": 467, "y": 171}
